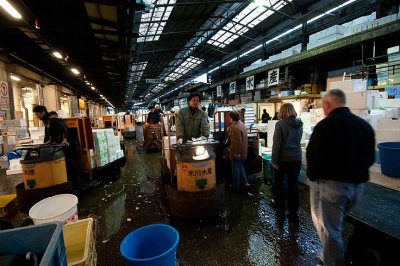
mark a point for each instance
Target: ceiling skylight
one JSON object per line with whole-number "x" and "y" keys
{"x": 137, "y": 71}
{"x": 153, "y": 22}
{"x": 248, "y": 18}
{"x": 189, "y": 64}
{"x": 158, "y": 88}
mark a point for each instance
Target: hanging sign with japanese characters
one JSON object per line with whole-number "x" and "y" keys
{"x": 219, "y": 91}
{"x": 4, "y": 96}
{"x": 273, "y": 77}
{"x": 232, "y": 87}
{"x": 250, "y": 83}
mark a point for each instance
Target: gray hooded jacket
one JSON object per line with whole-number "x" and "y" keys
{"x": 287, "y": 137}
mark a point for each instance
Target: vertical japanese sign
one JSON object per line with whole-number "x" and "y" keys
{"x": 4, "y": 96}
{"x": 232, "y": 87}
{"x": 250, "y": 83}
{"x": 219, "y": 91}
{"x": 273, "y": 77}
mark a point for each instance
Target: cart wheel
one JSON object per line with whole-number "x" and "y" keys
{"x": 115, "y": 173}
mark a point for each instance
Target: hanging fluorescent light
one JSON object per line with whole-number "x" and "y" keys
{"x": 75, "y": 71}
{"x": 56, "y": 54}
{"x": 93, "y": 88}
{"x": 15, "y": 78}
{"x": 10, "y": 9}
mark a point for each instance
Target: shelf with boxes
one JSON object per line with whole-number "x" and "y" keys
{"x": 294, "y": 97}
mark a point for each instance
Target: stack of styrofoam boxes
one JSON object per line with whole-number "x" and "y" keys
{"x": 393, "y": 65}
{"x": 291, "y": 51}
{"x": 307, "y": 127}
{"x": 386, "y": 19}
{"x": 13, "y": 132}
{"x": 316, "y": 115}
{"x": 167, "y": 142}
{"x": 100, "y": 147}
{"x": 325, "y": 36}
{"x": 357, "y": 97}
{"x": 21, "y": 131}
{"x": 112, "y": 144}
{"x": 360, "y": 24}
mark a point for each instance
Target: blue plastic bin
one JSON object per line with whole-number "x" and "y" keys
{"x": 389, "y": 154}
{"x": 151, "y": 245}
{"x": 45, "y": 240}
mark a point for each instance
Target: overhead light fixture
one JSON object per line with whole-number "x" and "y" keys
{"x": 93, "y": 88}
{"x": 101, "y": 95}
{"x": 56, "y": 54}
{"x": 10, "y": 9}
{"x": 259, "y": 2}
{"x": 15, "y": 77}
{"x": 75, "y": 71}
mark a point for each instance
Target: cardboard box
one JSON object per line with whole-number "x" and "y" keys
{"x": 357, "y": 100}
{"x": 354, "y": 85}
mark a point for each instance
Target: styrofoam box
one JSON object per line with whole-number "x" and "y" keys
{"x": 389, "y": 124}
{"x": 394, "y": 49}
{"x": 387, "y": 135}
{"x": 20, "y": 123}
{"x": 330, "y": 38}
{"x": 389, "y": 103}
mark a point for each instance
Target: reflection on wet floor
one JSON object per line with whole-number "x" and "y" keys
{"x": 248, "y": 231}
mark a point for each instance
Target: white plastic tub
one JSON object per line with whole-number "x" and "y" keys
{"x": 62, "y": 207}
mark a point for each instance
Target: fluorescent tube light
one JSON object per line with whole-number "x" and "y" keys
{"x": 75, "y": 71}
{"x": 15, "y": 78}
{"x": 10, "y": 9}
{"x": 56, "y": 54}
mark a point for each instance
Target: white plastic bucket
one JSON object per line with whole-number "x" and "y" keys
{"x": 62, "y": 207}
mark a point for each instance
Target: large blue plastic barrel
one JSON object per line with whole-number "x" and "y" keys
{"x": 153, "y": 244}
{"x": 389, "y": 153}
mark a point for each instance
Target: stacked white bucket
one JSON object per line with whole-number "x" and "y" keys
{"x": 62, "y": 207}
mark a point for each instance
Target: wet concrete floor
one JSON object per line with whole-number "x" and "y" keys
{"x": 247, "y": 231}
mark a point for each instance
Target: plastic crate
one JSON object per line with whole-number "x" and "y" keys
{"x": 80, "y": 243}
{"x": 45, "y": 240}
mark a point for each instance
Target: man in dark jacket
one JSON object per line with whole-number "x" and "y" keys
{"x": 265, "y": 117}
{"x": 153, "y": 117}
{"x": 55, "y": 129}
{"x": 57, "y": 132}
{"x": 340, "y": 151}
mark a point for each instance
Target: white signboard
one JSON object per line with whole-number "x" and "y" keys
{"x": 219, "y": 91}
{"x": 273, "y": 77}
{"x": 153, "y": 81}
{"x": 232, "y": 87}
{"x": 250, "y": 83}
{"x": 4, "y": 97}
